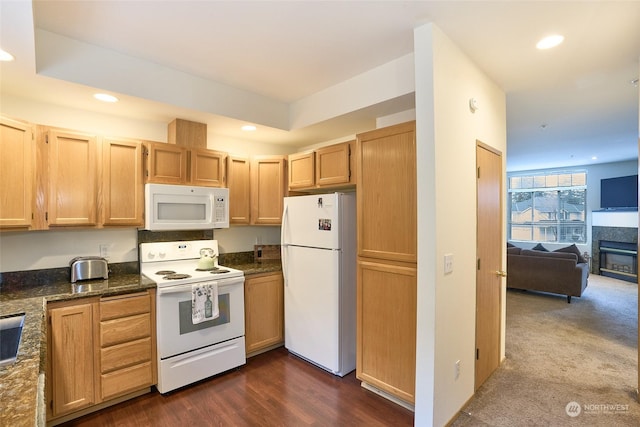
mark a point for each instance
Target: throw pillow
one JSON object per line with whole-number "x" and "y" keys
{"x": 539, "y": 247}
{"x": 573, "y": 249}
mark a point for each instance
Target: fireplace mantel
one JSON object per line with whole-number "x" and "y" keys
{"x": 615, "y": 218}
{"x": 613, "y": 226}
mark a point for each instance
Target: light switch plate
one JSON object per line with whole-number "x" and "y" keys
{"x": 448, "y": 263}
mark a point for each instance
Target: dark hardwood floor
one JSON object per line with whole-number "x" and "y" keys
{"x": 272, "y": 389}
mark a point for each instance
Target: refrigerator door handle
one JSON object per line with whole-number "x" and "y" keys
{"x": 282, "y": 244}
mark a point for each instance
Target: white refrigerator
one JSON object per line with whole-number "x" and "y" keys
{"x": 319, "y": 267}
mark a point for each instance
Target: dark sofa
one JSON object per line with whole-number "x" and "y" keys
{"x": 555, "y": 272}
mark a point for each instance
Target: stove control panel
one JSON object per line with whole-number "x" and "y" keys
{"x": 174, "y": 251}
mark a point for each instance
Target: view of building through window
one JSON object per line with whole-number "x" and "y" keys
{"x": 548, "y": 207}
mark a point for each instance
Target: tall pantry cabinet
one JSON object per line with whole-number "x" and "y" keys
{"x": 387, "y": 257}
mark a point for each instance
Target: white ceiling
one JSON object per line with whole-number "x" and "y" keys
{"x": 282, "y": 52}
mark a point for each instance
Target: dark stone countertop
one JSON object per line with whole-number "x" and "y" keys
{"x": 22, "y": 383}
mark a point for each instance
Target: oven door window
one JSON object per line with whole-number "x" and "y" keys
{"x": 187, "y": 326}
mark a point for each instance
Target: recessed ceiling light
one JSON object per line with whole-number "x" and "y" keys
{"x": 550, "y": 41}
{"x": 104, "y": 97}
{"x": 248, "y": 128}
{"x": 594, "y": 157}
{"x": 5, "y": 56}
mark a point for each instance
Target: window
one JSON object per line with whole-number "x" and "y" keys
{"x": 548, "y": 207}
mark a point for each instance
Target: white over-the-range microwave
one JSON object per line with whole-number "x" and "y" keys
{"x": 185, "y": 207}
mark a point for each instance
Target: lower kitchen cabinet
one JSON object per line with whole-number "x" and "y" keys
{"x": 71, "y": 362}
{"x": 98, "y": 350}
{"x": 127, "y": 347}
{"x": 264, "y": 312}
{"x": 386, "y": 326}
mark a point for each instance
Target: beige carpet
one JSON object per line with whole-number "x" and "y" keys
{"x": 558, "y": 353}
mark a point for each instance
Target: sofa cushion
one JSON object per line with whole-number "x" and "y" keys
{"x": 557, "y": 255}
{"x": 514, "y": 250}
{"x": 573, "y": 249}
{"x": 539, "y": 247}
{"x": 510, "y": 245}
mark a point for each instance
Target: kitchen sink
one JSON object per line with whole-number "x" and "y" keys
{"x": 10, "y": 334}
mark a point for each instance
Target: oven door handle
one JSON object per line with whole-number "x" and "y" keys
{"x": 179, "y": 288}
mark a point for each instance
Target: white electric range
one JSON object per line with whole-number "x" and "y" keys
{"x": 188, "y": 351}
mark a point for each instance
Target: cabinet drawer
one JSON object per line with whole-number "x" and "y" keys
{"x": 127, "y": 306}
{"x": 125, "y": 329}
{"x": 126, "y": 380}
{"x": 126, "y": 354}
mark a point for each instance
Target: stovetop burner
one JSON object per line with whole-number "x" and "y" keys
{"x": 176, "y": 276}
{"x": 219, "y": 271}
{"x": 165, "y": 272}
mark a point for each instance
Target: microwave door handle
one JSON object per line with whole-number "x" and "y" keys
{"x": 282, "y": 244}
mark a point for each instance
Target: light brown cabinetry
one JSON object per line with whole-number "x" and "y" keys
{"x": 122, "y": 182}
{"x": 327, "y": 167}
{"x": 127, "y": 361}
{"x": 387, "y": 255}
{"x": 72, "y": 178}
{"x": 166, "y": 163}
{"x": 301, "y": 170}
{"x": 179, "y": 165}
{"x": 264, "y": 312}
{"x": 71, "y": 362}
{"x": 207, "y": 167}
{"x": 267, "y": 189}
{"x": 17, "y": 173}
{"x": 386, "y": 355}
{"x": 239, "y": 183}
{"x": 99, "y": 349}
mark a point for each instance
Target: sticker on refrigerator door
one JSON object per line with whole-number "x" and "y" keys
{"x": 324, "y": 224}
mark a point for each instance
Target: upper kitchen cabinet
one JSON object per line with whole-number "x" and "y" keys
{"x": 239, "y": 183}
{"x": 335, "y": 166}
{"x": 122, "y": 183}
{"x": 267, "y": 189}
{"x": 387, "y": 208}
{"x": 166, "y": 163}
{"x": 327, "y": 167}
{"x": 17, "y": 173}
{"x": 301, "y": 170}
{"x": 175, "y": 164}
{"x": 72, "y": 178}
{"x": 207, "y": 167}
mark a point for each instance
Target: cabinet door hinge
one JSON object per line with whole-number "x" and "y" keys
{"x": 478, "y": 172}
{"x": 478, "y": 264}
{"x": 46, "y": 216}
{"x": 477, "y": 354}
{"x": 46, "y": 139}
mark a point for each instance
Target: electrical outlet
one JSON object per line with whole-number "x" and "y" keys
{"x": 448, "y": 263}
{"x": 457, "y": 370}
{"x": 104, "y": 251}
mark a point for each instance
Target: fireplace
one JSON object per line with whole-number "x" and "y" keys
{"x": 619, "y": 260}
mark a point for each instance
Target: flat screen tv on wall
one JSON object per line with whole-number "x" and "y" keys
{"x": 620, "y": 192}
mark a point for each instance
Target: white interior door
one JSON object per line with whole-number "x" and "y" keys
{"x": 311, "y": 314}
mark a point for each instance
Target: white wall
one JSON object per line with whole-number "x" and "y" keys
{"x": 448, "y": 131}
{"x": 54, "y": 248}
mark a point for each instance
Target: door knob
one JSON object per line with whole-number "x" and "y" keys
{"x": 501, "y": 273}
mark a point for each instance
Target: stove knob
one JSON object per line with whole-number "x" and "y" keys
{"x": 151, "y": 255}
{"x": 163, "y": 254}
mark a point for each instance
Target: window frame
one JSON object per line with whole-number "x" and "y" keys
{"x": 561, "y": 226}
